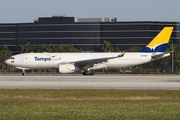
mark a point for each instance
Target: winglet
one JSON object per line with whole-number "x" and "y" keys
{"x": 159, "y": 43}
{"x": 121, "y": 55}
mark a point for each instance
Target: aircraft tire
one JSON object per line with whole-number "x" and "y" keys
{"x": 91, "y": 74}
{"x": 85, "y": 73}
{"x": 23, "y": 74}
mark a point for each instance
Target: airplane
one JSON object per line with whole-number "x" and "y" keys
{"x": 73, "y": 62}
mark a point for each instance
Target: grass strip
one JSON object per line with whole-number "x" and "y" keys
{"x": 91, "y": 104}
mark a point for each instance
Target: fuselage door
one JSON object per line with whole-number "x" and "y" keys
{"x": 22, "y": 58}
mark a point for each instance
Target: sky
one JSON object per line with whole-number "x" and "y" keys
{"x": 23, "y": 11}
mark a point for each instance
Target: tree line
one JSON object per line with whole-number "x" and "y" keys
{"x": 42, "y": 48}
{"x": 157, "y": 66}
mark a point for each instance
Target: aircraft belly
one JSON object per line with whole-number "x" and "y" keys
{"x": 44, "y": 65}
{"x": 120, "y": 63}
{"x": 41, "y": 65}
{"x": 99, "y": 66}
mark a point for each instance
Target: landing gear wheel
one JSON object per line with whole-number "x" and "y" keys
{"x": 91, "y": 74}
{"x": 84, "y": 73}
{"x": 88, "y": 73}
{"x": 24, "y": 73}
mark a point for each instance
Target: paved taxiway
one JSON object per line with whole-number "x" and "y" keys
{"x": 91, "y": 82}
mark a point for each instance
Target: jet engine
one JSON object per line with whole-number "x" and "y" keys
{"x": 67, "y": 68}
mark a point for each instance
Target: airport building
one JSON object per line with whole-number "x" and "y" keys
{"x": 86, "y": 34}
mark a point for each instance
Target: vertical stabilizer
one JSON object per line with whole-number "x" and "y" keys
{"x": 160, "y": 42}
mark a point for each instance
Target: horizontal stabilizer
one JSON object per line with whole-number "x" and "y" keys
{"x": 158, "y": 56}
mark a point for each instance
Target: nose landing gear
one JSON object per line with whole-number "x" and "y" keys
{"x": 24, "y": 73}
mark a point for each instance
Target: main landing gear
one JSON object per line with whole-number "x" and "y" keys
{"x": 24, "y": 72}
{"x": 86, "y": 72}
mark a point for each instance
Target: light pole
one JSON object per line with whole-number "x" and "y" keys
{"x": 172, "y": 58}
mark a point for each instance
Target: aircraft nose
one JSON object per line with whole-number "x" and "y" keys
{"x": 7, "y": 61}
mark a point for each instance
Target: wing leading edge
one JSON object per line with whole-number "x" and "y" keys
{"x": 91, "y": 62}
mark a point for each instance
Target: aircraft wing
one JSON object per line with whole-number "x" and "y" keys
{"x": 91, "y": 62}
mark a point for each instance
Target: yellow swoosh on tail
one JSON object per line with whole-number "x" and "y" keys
{"x": 162, "y": 37}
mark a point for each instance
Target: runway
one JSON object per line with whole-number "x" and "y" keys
{"x": 166, "y": 82}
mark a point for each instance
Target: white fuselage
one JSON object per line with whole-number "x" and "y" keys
{"x": 46, "y": 61}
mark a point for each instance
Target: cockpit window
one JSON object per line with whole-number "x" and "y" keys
{"x": 12, "y": 58}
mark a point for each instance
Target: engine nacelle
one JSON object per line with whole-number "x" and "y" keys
{"x": 68, "y": 68}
